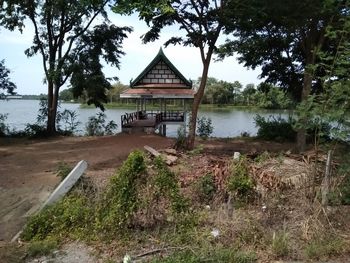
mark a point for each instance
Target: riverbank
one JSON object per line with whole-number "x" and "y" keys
{"x": 278, "y": 222}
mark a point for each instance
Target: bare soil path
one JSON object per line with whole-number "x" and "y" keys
{"x": 28, "y": 169}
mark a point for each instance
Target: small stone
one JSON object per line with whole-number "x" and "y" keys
{"x": 215, "y": 232}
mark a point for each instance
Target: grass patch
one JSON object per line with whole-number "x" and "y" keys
{"x": 63, "y": 169}
{"x": 41, "y": 248}
{"x": 279, "y": 246}
{"x": 214, "y": 255}
{"x": 324, "y": 247}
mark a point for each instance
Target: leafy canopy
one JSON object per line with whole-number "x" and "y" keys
{"x": 5, "y": 83}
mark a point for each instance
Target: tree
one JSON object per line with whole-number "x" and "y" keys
{"x": 68, "y": 47}
{"x": 66, "y": 95}
{"x": 201, "y": 20}
{"x": 117, "y": 89}
{"x": 248, "y": 92}
{"x": 5, "y": 83}
{"x": 284, "y": 37}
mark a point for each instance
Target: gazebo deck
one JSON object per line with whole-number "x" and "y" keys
{"x": 144, "y": 119}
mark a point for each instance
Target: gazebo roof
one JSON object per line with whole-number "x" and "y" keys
{"x": 159, "y": 73}
{"x": 160, "y": 79}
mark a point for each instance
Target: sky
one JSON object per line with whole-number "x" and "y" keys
{"x": 28, "y": 74}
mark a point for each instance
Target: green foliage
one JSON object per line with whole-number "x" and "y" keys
{"x": 239, "y": 182}
{"x": 69, "y": 216}
{"x": 70, "y": 48}
{"x": 275, "y": 128}
{"x": 280, "y": 244}
{"x": 120, "y": 201}
{"x": 205, "y": 187}
{"x": 5, "y": 83}
{"x": 220, "y": 255}
{"x": 67, "y": 119}
{"x": 180, "y": 142}
{"x": 97, "y": 126}
{"x": 70, "y": 122}
{"x": 204, "y": 127}
{"x": 321, "y": 247}
{"x": 42, "y": 247}
{"x": 274, "y": 98}
{"x": 4, "y": 129}
{"x": 63, "y": 169}
{"x": 167, "y": 185}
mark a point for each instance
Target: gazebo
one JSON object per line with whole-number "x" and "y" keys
{"x": 159, "y": 82}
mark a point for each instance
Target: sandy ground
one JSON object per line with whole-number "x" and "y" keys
{"x": 28, "y": 169}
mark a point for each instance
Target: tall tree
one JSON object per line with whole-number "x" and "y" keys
{"x": 5, "y": 83}
{"x": 202, "y": 22}
{"x": 69, "y": 48}
{"x": 284, "y": 37}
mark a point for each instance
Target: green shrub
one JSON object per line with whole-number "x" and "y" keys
{"x": 205, "y": 187}
{"x": 204, "y": 127}
{"x": 120, "y": 201}
{"x": 68, "y": 216}
{"x": 167, "y": 186}
{"x": 239, "y": 182}
{"x": 279, "y": 244}
{"x": 4, "y": 129}
{"x": 275, "y": 128}
{"x": 180, "y": 142}
{"x": 97, "y": 126}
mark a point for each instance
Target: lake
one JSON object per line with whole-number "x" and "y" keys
{"x": 227, "y": 122}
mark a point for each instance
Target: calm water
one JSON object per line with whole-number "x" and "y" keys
{"x": 226, "y": 122}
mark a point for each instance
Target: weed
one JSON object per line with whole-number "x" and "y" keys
{"x": 167, "y": 186}
{"x": 41, "y": 248}
{"x": 220, "y": 255}
{"x": 205, "y": 187}
{"x": 63, "y": 169}
{"x": 324, "y": 247}
{"x": 279, "y": 244}
{"x": 120, "y": 201}
{"x": 69, "y": 216}
{"x": 197, "y": 150}
{"x": 239, "y": 182}
{"x": 262, "y": 157}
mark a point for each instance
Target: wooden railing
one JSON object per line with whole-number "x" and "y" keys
{"x": 167, "y": 116}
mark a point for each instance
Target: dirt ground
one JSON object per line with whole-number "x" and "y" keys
{"x": 28, "y": 167}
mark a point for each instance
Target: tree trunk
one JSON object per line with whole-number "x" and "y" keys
{"x": 52, "y": 102}
{"x": 197, "y": 99}
{"x": 307, "y": 83}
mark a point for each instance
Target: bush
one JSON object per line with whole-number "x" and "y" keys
{"x": 180, "y": 142}
{"x": 120, "y": 201}
{"x": 4, "y": 129}
{"x": 239, "y": 182}
{"x": 275, "y": 128}
{"x": 167, "y": 186}
{"x": 70, "y": 215}
{"x": 204, "y": 127}
{"x": 97, "y": 126}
